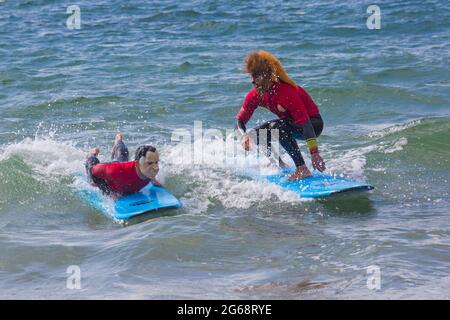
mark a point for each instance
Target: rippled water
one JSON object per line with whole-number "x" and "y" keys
{"x": 149, "y": 68}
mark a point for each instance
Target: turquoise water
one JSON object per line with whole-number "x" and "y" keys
{"x": 149, "y": 68}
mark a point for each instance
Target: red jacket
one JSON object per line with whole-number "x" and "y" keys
{"x": 283, "y": 100}
{"x": 121, "y": 177}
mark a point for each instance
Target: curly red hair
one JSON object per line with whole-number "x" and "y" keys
{"x": 259, "y": 62}
{"x": 254, "y": 63}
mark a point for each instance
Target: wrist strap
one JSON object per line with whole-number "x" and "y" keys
{"x": 312, "y": 145}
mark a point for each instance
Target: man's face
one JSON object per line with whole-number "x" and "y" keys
{"x": 150, "y": 167}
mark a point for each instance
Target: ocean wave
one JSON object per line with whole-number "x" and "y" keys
{"x": 427, "y": 131}
{"x": 393, "y": 129}
{"x": 364, "y": 92}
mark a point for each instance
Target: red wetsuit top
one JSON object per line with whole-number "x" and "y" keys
{"x": 121, "y": 177}
{"x": 295, "y": 103}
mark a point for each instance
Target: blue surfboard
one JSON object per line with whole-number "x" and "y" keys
{"x": 317, "y": 186}
{"x": 148, "y": 199}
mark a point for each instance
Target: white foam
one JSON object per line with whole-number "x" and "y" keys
{"x": 49, "y": 159}
{"x": 220, "y": 178}
{"x": 396, "y": 146}
{"x": 351, "y": 162}
{"x": 217, "y": 179}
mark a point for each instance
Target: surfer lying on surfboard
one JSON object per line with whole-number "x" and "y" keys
{"x": 121, "y": 178}
{"x": 298, "y": 115}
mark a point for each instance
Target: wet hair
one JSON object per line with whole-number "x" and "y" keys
{"x": 256, "y": 64}
{"x": 263, "y": 62}
{"x": 141, "y": 151}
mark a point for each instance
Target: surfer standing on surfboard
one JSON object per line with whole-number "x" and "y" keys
{"x": 120, "y": 178}
{"x": 299, "y": 116}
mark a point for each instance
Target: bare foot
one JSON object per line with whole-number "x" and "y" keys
{"x": 301, "y": 173}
